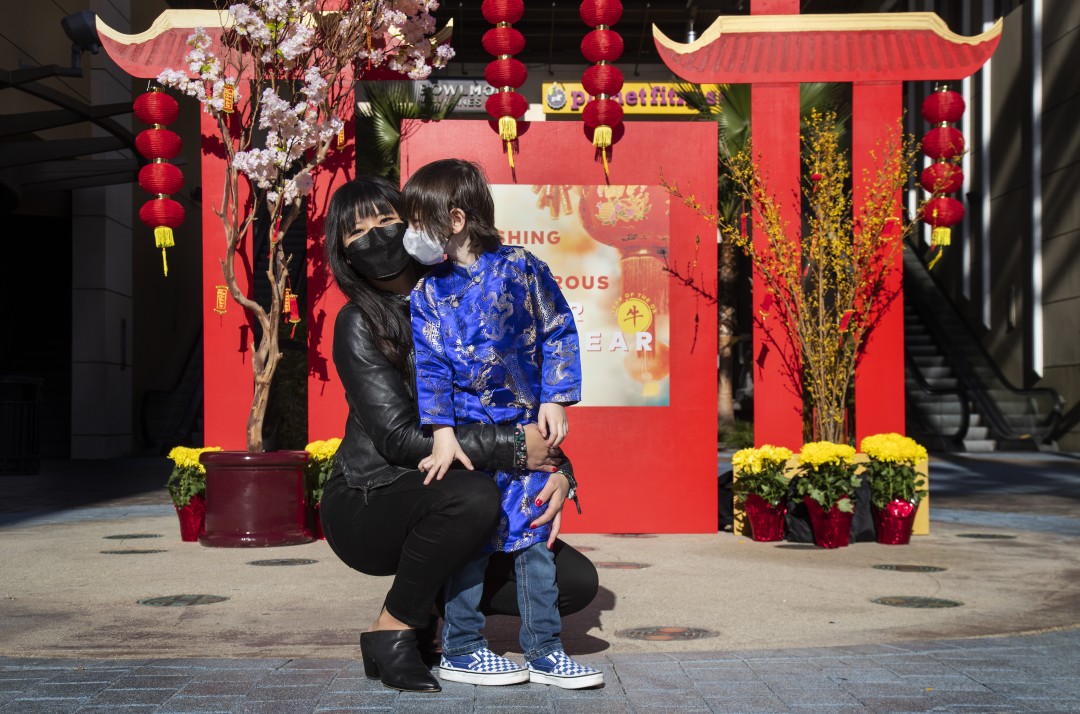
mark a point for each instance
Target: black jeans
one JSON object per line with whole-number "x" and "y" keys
{"x": 421, "y": 534}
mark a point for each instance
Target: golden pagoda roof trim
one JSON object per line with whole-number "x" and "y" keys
{"x": 191, "y": 19}
{"x": 168, "y": 20}
{"x": 848, "y": 22}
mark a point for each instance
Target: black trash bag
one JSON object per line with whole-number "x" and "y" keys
{"x": 797, "y": 528}
{"x": 726, "y": 501}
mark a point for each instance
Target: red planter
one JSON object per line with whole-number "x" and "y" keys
{"x": 254, "y": 500}
{"x": 766, "y": 520}
{"x": 192, "y": 518}
{"x": 315, "y": 521}
{"x": 893, "y": 524}
{"x": 832, "y": 528}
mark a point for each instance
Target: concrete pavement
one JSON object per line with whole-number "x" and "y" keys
{"x": 768, "y": 627}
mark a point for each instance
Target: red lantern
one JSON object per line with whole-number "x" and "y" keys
{"x": 156, "y": 107}
{"x": 504, "y": 73}
{"x": 943, "y": 142}
{"x": 941, "y": 213}
{"x": 158, "y": 177}
{"x": 942, "y": 177}
{"x": 503, "y": 41}
{"x": 943, "y": 106}
{"x": 602, "y": 115}
{"x": 158, "y": 143}
{"x": 602, "y": 79}
{"x": 636, "y": 221}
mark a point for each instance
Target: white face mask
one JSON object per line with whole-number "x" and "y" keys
{"x": 423, "y": 246}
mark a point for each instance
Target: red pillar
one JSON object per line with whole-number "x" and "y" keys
{"x": 228, "y": 383}
{"x": 879, "y": 376}
{"x": 327, "y": 410}
{"x": 775, "y": 130}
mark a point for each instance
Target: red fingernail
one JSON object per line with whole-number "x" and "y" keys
{"x": 554, "y": 469}
{"x": 539, "y": 502}
{"x": 532, "y": 526}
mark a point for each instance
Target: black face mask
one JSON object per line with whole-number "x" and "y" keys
{"x": 379, "y": 253}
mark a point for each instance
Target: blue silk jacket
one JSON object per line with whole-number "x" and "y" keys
{"x": 493, "y": 341}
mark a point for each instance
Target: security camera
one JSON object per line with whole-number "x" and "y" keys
{"x": 81, "y": 29}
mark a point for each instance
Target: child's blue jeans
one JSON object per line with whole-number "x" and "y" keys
{"x": 538, "y": 595}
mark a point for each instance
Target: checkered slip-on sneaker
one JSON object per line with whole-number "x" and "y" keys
{"x": 559, "y": 670}
{"x": 482, "y": 667}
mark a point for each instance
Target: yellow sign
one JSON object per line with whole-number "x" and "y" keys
{"x": 635, "y": 98}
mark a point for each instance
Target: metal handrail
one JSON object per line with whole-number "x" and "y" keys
{"x": 976, "y": 390}
{"x": 958, "y": 392}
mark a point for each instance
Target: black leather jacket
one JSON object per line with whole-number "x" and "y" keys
{"x": 383, "y": 438}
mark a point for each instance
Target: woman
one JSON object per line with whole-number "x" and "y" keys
{"x": 380, "y": 514}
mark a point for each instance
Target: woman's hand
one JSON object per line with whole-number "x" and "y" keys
{"x": 554, "y": 495}
{"x": 541, "y": 456}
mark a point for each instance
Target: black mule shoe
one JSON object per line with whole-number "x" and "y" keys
{"x": 392, "y": 656}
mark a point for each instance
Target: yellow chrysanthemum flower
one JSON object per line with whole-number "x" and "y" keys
{"x": 823, "y": 453}
{"x": 893, "y": 448}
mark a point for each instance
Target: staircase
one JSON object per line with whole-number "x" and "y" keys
{"x": 957, "y": 397}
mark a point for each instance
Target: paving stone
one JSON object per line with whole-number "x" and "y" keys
{"x": 200, "y": 705}
{"x": 944, "y": 682}
{"x": 893, "y": 705}
{"x": 66, "y": 690}
{"x": 348, "y": 682}
{"x": 747, "y": 705}
{"x": 385, "y": 698}
{"x": 576, "y": 706}
{"x": 41, "y": 706}
{"x": 672, "y": 700}
{"x": 721, "y": 674}
{"x": 297, "y": 677}
{"x": 87, "y": 675}
{"x": 846, "y": 674}
{"x": 654, "y": 675}
{"x": 451, "y": 706}
{"x": 818, "y": 697}
{"x": 732, "y": 689}
{"x": 133, "y": 696}
{"x": 214, "y": 687}
{"x": 286, "y": 706}
{"x": 535, "y": 695}
{"x": 334, "y": 665}
{"x": 269, "y": 694}
{"x": 113, "y": 709}
{"x": 151, "y": 681}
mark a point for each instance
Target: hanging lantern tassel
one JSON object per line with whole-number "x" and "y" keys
{"x": 163, "y": 238}
{"x": 162, "y": 214}
{"x": 228, "y": 98}
{"x": 508, "y": 133}
{"x": 602, "y": 140}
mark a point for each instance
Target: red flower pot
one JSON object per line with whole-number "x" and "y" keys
{"x": 832, "y": 528}
{"x": 192, "y": 518}
{"x": 254, "y": 499}
{"x": 893, "y": 524}
{"x": 766, "y": 520}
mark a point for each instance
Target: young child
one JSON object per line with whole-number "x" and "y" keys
{"x": 495, "y": 343}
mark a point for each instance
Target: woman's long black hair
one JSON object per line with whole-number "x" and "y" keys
{"x": 364, "y": 197}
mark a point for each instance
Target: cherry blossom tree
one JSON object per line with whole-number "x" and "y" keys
{"x": 278, "y": 80}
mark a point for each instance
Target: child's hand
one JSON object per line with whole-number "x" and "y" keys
{"x": 443, "y": 454}
{"x": 552, "y": 423}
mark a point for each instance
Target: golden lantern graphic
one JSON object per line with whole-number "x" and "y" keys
{"x": 635, "y": 220}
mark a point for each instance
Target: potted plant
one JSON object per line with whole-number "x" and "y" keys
{"x": 896, "y": 488}
{"x": 762, "y": 489}
{"x": 277, "y": 78}
{"x": 320, "y": 466}
{"x": 827, "y": 481}
{"x": 187, "y": 487}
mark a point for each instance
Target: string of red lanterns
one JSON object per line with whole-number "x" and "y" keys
{"x": 159, "y": 178}
{"x": 945, "y": 145}
{"x": 505, "y": 73}
{"x": 602, "y": 46}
